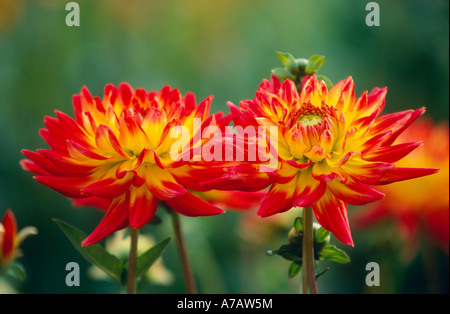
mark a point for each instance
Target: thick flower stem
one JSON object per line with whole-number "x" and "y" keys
{"x": 189, "y": 280}
{"x": 132, "y": 258}
{"x": 309, "y": 275}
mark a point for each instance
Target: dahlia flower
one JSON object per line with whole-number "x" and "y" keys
{"x": 420, "y": 205}
{"x": 117, "y": 154}
{"x": 332, "y": 148}
{"x": 10, "y": 239}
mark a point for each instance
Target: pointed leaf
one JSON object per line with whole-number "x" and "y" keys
{"x": 321, "y": 235}
{"x": 332, "y": 253}
{"x": 146, "y": 260}
{"x": 314, "y": 64}
{"x": 298, "y": 224}
{"x": 287, "y": 59}
{"x": 289, "y": 252}
{"x": 17, "y": 271}
{"x": 283, "y": 74}
{"x": 294, "y": 269}
{"x": 94, "y": 254}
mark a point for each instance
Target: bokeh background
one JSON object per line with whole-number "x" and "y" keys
{"x": 224, "y": 48}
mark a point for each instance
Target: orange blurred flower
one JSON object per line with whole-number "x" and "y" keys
{"x": 117, "y": 154}
{"x": 332, "y": 148}
{"x": 422, "y": 204}
{"x": 10, "y": 239}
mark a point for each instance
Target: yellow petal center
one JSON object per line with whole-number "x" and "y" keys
{"x": 310, "y": 119}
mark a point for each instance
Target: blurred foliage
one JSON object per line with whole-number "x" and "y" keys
{"x": 224, "y": 48}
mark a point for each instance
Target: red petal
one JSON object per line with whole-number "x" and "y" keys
{"x": 125, "y": 93}
{"x": 116, "y": 218}
{"x": 414, "y": 115}
{"x": 400, "y": 174}
{"x": 376, "y": 99}
{"x": 354, "y": 193}
{"x": 142, "y": 207}
{"x": 392, "y": 153}
{"x": 107, "y": 188}
{"x": 331, "y": 213}
{"x": 68, "y": 186}
{"x": 107, "y": 141}
{"x": 366, "y": 172}
{"x": 310, "y": 193}
{"x": 33, "y": 168}
{"x": 10, "y": 226}
{"x": 166, "y": 190}
{"x": 279, "y": 199}
{"x": 192, "y": 206}
{"x": 93, "y": 201}
{"x": 75, "y": 148}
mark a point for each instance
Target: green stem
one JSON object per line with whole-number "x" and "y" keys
{"x": 308, "y": 271}
{"x": 189, "y": 280}
{"x": 132, "y": 258}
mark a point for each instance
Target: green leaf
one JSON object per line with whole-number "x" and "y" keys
{"x": 314, "y": 64}
{"x": 283, "y": 74}
{"x": 17, "y": 271}
{"x": 326, "y": 80}
{"x": 94, "y": 254}
{"x": 289, "y": 252}
{"x": 287, "y": 59}
{"x": 332, "y": 253}
{"x": 298, "y": 224}
{"x": 294, "y": 269}
{"x": 146, "y": 260}
{"x": 321, "y": 235}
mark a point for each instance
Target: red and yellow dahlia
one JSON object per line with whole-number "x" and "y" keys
{"x": 332, "y": 148}
{"x": 421, "y": 205}
{"x": 10, "y": 239}
{"x": 117, "y": 154}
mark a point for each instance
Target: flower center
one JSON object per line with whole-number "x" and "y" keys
{"x": 310, "y": 119}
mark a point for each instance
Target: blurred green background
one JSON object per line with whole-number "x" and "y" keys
{"x": 218, "y": 47}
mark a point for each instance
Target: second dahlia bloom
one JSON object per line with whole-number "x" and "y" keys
{"x": 116, "y": 154}
{"x": 420, "y": 206}
{"x": 332, "y": 147}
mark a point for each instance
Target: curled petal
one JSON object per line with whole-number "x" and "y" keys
{"x": 354, "y": 193}
{"x": 93, "y": 201}
{"x": 400, "y": 174}
{"x": 68, "y": 186}
{"x": 331, "y": 213}
{"x": 309, "y": 190}
{"x": 392, "y": 153}
{"x": 192, "y": 206}
{"x": 9, "y": 235}
{"x": 107, "y": 188}
{"x": 279, "y": 198}
{"x": 116, "y": 218}
{"x": 142, "y": 207}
